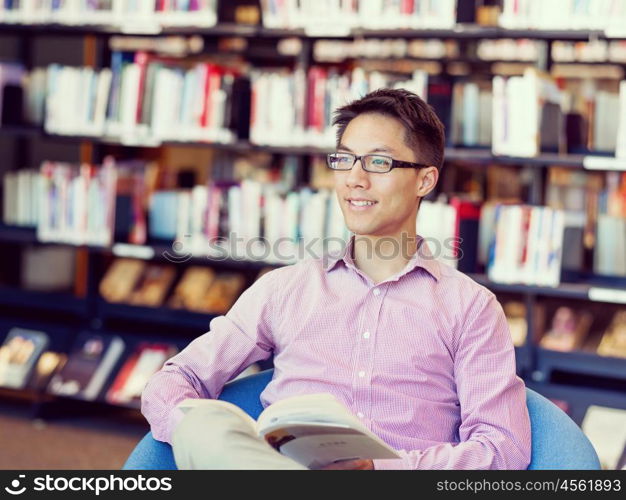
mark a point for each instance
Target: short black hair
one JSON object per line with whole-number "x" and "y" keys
{"x": 424, "y": 130}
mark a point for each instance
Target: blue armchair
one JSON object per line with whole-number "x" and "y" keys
{"x": 557, "y": 442}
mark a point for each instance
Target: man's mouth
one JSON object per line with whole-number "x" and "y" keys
{"x": 360, "y": 203}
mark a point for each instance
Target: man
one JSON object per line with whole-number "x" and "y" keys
{"x": 415, "y": 349}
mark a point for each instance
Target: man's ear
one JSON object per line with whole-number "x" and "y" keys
{"x": 428, "y": 181}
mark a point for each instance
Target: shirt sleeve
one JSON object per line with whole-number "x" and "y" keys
{"x": 495, "y": 426}
{"x": 234, "y": 341}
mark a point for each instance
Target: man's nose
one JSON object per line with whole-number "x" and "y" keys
{"x": 358, "y": 176}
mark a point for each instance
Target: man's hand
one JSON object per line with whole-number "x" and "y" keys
{"x": 350, "y": 465}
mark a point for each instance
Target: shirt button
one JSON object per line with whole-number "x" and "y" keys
{"x": 366, "y": 335}
{"x": 361, "y": 374}
{"x": 376, "y": 292}
{"x": 360, "y": 415}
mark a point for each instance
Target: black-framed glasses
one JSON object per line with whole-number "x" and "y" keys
{"x": 378, "y": 164}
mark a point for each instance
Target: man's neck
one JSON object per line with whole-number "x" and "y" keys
{"x": 382, "y": 257}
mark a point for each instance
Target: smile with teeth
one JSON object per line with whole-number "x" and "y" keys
{"x": 361, "y": 203}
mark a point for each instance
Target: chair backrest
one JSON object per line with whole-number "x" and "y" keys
{"x": 557, "y": 442}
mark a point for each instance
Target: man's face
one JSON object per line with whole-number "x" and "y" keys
{"x": 395, "y": 194}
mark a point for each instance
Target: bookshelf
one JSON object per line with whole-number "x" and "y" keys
{"x": 535, "y": 364}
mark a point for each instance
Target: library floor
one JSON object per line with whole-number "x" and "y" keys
{"x": 85, "y": 442}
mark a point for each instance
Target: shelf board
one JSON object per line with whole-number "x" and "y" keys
{"x": 155, "y": 315}
{"x": 564, "y": 290}
{"x": 48, "y": 301}
{"x": 26, "y": 394}
{"x": 599, "y": 161}
{"x": 579, "y": 362}
{"x": 15, "y": 234}
{"x": 579, "y": 398}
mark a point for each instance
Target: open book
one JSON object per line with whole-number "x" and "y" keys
{"x": 314, "y": 430}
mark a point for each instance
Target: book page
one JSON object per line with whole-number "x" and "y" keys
{"x": 321, "y": 408}
{"x": 317, "y": 429}
{"x": 322, "y": 449}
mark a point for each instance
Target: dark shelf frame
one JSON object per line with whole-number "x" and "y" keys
{"x": 43, "y": 301}
{"x": 175, "y": 318}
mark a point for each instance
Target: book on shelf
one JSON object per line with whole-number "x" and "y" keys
{"x": 450, "y": 230}
{"x": 507, "y": 49}
{"x": 564, "y": 15}
{"x": 526, "y": 245}
{"x": 11, "y": 93}
{"x": 202, "y": 290}
{"x": 223, "y": 293}
{"x": 314, "y": 429}
{"x": 610, "y": 254}
{"x": 144, "y": 98}
{"x": 527, "y": 115}
{"x": 81, "y": 204}
{"x": 20, "y": 198}
{"x": 121, "y": 280}
{"x": 48, "y": 268}
{"x": 153, "y": 286}
{"x": 19, "y": 354}
{"x": 568, "y": 331}
{"x": 606, "y": 429}
{"x": 576, "y": 193}
{"x": 471, "y": 114}
{"x": 309, "y": 99}
{"x": 89, "y": 365}
{"x": 596, "y": 50}
{"x": 47, "y": 366}
{"x": 163, "y": 208}
{"x": 515, "y": 313}
{"x": 613, "y": 342}
{"x": 620, "y": 140}
{"x": 229, "y": 218}
{"x": 192, "y": 288}
{"x": 334, "y": 51}
{"x": 77, "y": 203}
{"x": 339, "y": 17}
{"x": 145, "y": 361}
{"x": 128, "y": 15}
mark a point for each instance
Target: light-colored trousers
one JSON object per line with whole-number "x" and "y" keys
{"x": 212, "y": 437}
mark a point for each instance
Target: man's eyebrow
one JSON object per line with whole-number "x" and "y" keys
{"x": 382, "y": 149}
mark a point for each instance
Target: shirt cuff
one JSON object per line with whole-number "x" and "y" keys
{"x": 393, "y": 464}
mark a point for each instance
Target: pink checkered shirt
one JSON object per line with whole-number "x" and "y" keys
{"x": 424, "y": 359}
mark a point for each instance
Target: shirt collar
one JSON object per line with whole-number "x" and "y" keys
{"x": 422, "y": 258}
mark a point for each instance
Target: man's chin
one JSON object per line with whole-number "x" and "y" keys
{"x": 361, "y": 231}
